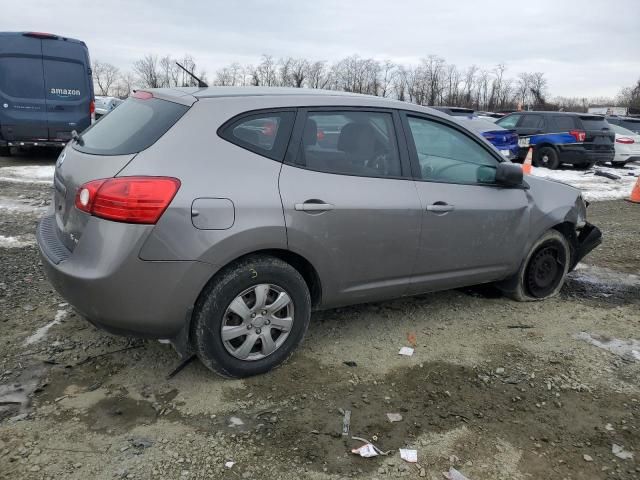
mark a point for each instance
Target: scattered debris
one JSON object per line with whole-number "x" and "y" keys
{"x": 409, "y": 455}
{"x": 454, "y": 474}
{"x": 602, "y": 173}
{"x": 412, "y": 339}
{"x": 186, "y": 361}
{"x": 367, "y": 450}
{"x": 141, "y": 442}
{"x": 520, "y": 326}
{"x": 93, "y": 357}
{"x": 587, "y": 458}
{"x": 350, "y": 363}
{"x": 609, "y": 428}
{"x": 364, "y": 440}
{"x": 235, "y": 422}
{"x": 628, "y": 350}
{"x": 406, "y": 351}
{"x": 229, "y": 464}
{"x": 42, "y": 331}
{"x": 346, "y": 423}
{"x": 499, "y": 371}
{"x": 394, "y": 417}
{"x": 620, "y": 452}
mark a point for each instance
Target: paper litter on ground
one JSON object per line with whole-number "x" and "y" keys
{"x": 407, "y": 351}
{"x": 409, "y": 455}
{"x": 367, "y": 450}
{"x": 394, "y": 417}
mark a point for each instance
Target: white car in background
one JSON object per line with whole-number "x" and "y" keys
{"x": 105, "y": 104}
{"x": 627, "y": 146}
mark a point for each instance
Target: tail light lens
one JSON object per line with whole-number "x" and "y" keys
{"x": 579, "y": 135}
{"x": 127, "y": 199}
{"x": 92, "y": 110}
{"x": 625, "y": 140}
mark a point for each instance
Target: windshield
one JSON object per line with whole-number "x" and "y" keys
{"x": 132, "y": 127}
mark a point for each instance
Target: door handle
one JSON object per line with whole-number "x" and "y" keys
{"x": 440, "y": 208}
{"x": 313, "y": 207}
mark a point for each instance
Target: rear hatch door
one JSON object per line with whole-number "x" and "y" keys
{"x": 23, "y": 110}
{"x": 68, "y": 87}
{"x": 598, "y": 136}
{"x": 103, "y": 151}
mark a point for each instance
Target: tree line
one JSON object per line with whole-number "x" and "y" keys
{"x": 432, "y": 81}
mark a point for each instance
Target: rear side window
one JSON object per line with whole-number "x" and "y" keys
{"x": 509, "y": 122}
{"x": 265, "y": 133}
{"x": 633, "y": 125}
{"x": 564, "y": 123}
{"x": 593, "y": 123}
{"x": 532, "y": 121}
{"x": 132, "y": 127}
{"x": 21, "y": 77}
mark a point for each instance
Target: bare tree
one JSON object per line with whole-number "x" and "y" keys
{"x": 147, "y": 71}
{"x": 105, "y": 76}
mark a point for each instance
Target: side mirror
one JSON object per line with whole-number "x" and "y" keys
{"x": 509, "y": 174}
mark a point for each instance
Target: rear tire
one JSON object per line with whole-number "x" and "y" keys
{"x": 245, "y": 300}
{"x": 618, "y": 164}
{"x": 543, "y": 271}
{"x": 547, "y": 157}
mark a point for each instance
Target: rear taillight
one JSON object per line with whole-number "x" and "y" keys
{"x": 579, "y": 135}
{"x": 92, "y": 110}
{"x": 127, "y": 199}
{"x": 625, "y": 140}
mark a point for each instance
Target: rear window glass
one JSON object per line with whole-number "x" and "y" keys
{"x": 132, "y": 127}
{"x": 65, "y": 80}
{"x": 594, "y": 123}
{"x": 21, "y": 77}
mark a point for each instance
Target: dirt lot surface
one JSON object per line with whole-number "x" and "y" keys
{"x": 496, "y": 389}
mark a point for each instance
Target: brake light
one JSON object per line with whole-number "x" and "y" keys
{"x": 579, "y": 135}
{"x": 127, "y": 199}
{"x": 625, "y": 140}
{"x": 40, "y": 35}
{"x": 142, "y": 95}
{"x": 92, "y": 110}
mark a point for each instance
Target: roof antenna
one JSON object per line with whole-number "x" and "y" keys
{"x": 201, "y": 84}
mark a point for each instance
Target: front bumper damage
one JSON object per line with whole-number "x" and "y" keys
{"x": 588, "y": 238}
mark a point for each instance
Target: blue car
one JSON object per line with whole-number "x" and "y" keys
{"x": 506, "y": 141}
{"x": 46, "y": 89}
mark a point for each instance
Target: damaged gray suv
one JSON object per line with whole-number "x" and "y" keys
{"x": 219, "y": 218}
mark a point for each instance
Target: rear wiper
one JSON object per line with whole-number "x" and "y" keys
{"x": 77, "y": 137}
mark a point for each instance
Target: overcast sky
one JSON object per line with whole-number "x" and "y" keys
{"x": 585, "y": 47}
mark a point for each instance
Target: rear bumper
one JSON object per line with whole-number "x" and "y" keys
{"x": 104, "y": 279}
{"x": 579, "y": 154}
{"x": 589, "y": 238}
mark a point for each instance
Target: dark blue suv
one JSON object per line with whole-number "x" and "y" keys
{"x": 46, "y": 89}
{"x": 579, "y": 139}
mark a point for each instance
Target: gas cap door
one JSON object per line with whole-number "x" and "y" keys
{"x": 212, "y": 213}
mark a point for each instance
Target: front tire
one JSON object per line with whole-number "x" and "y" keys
{"x": 543, "y": 272}
{"x": 251, "y": 317}
{"x": 548, "y": 157}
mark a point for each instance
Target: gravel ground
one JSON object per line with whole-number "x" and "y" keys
{"x": 496, "y": 389}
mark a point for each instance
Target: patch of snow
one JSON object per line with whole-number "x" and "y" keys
{"x": 604, "y": 276}
{"x": 595, "y": 187}
{"x": 40, "y": 174}
{"x": 16, "y": 242}
{"x": 627, "y": 349}
{"x": 18, "y": 206}
{"x": 42, "y": 331}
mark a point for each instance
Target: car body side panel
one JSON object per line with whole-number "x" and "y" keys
{"x": 210, "y": 167}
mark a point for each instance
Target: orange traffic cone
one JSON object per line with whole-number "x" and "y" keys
{"x": 527, "y": 165}
{"x": 635, "y": 193}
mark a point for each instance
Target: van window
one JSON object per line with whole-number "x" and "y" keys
{"x": 21, "y": 77}
{"x": 564, "y": 123}
{"x": 532, "y": 121}
{"x": 132, "y": 127}
{"x": 65, "y": 80}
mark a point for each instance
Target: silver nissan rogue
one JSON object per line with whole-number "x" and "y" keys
{"x": 219, "y": 218}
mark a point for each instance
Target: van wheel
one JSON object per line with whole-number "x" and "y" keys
{"x": 548, "y": 157}
{"x": 251, "y": 317}
{"x": 543, "y": 272}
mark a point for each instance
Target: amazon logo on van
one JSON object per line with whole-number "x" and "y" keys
{"x": 64, "y": 92}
